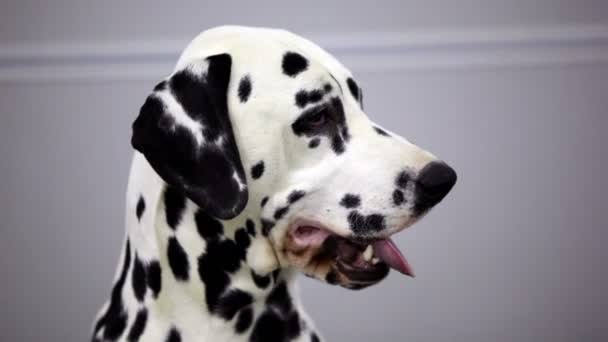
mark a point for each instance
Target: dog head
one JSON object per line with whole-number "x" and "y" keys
{"x": 263, "y": 123}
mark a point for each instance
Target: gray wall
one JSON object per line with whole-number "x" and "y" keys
{"x": 514, "y": 94}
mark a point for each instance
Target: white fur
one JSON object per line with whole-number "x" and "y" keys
{"x": 262, "y": 127}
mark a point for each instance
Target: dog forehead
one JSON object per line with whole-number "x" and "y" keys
{"x": 259, "y": 46}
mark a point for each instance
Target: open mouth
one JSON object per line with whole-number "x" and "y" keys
{"x": 359, "y": 259}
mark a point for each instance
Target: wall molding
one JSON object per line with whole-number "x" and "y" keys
{"x": 379, "y": 51}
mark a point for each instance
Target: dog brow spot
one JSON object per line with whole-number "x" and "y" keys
{"x": 244, "y": 88}
{"x": 257, "y": 170}
{"x": 293, "y": 64}
{"x": 350, "y": 201}
{"x": 304, "y": 97}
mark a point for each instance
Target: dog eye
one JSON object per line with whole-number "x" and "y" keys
{"x": 318, "y": 119}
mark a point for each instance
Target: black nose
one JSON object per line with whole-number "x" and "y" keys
{"x": 434, "y": 181}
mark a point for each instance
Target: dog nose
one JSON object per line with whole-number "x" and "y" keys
{"x": 434, "y": 181}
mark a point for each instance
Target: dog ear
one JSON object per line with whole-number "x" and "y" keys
{"x": 184, "y": 131}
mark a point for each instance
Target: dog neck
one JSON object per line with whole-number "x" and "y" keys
{"x": 185, "y": 273}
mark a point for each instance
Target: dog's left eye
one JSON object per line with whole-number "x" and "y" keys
{"x": 318, "y": 119}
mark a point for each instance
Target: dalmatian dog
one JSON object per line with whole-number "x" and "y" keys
{"x": 254, "y": 162}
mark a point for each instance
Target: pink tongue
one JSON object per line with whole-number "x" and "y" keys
{"x": 388, "y": 252}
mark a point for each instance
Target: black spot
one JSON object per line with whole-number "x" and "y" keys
{"x": 260, "y": 281}
{"x": 208, "y": 227}
{"x": 295, "y": 196}
{"x": 266, "y": 226}
{"x": 244, "y": 88}
{"x": 153, "y": 277}
{"x": 279, "y": 299}
{"x": 192, "y": 92}
{"x": 225, "y": 254}
{"x": 381, "y": 131}
{"x": 361, "y": 224}
{"x": 337, "y": 144}
{"x": 334, "y": 126}
{"x": 138, "y": 326}
{"x": 138, "y": 279}
{"x": 402, "y": 179}
{"x": 161, "y": 86}
{"x": 172, "y": 149}
{"x": 173, "y": 336}
{"x": 314, "y": 143}
{"x": 304, "y": 97}
{"x": 345, "y": 133}
{"x": 293, "y": 326}
{"x": 293, "y": 64}
{"x": 398, "y": 197}
{"x": 327, "y": 87}
{"x": 114, "y": 321}
{"x": 139, "y": 209}
{"x": 279, "y": 213}
{"x": 178, "y": 260}
{"x": 264, "y": 201}
{"x": 220, "y": 259}
{"x": 331, "y": 277}
{"x": 243, "y": 320}
{"x": 250, "y": 227}
{"x": 257, "y": 170}
{"x": 314, "y": 337}
{"x": 353, "y": 87}
{"x": 269, "y": 327}
{"x": 350, "y": 201}
{"x": 214, "y": 278}
{"x": 175, "y": 203}
{"x": 230, "y": 303}
{"x": 242, "y": 239}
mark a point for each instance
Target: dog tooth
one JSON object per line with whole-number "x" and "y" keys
{"x": 368, "y": 253}
{"x": 375, "y": 260}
